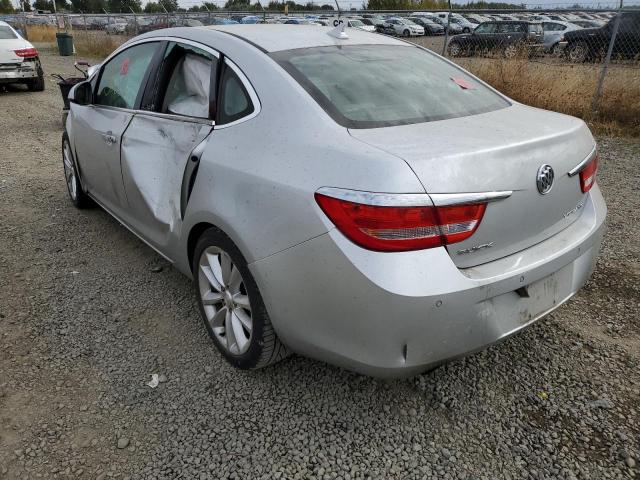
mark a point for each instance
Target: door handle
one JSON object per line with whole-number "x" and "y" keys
{"x": 109, "y": 138}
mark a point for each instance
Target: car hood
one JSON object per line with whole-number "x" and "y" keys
{"x": 581, "y": 32}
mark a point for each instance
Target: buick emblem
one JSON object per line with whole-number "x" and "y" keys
{"x": 544, "y": 180}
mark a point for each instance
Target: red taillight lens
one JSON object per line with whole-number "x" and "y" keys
{"x": 588, "y": 175}
{"x": 397, "y": 229}
{"x": 26, "y": 52}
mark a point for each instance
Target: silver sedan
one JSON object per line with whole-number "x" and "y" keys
{"x": 336, "y": 193}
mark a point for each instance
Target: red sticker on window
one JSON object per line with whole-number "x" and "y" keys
{"x": 462, "y": 83}
{"x": 124, "y": 67}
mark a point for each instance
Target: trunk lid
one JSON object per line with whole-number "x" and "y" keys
{"x": 8, "y": 47}
{"x": 497, "y": 151}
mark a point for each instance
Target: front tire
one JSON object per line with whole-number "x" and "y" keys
{"x": 76, "y": 194}
{"x": 231, "y": 306}
{"x": 406, "y": 33}
{"x": 455, "y": 49}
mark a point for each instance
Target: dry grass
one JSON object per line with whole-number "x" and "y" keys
{"x": 96, "y": 45}
{"x": 41, "y": 33}
{"x": 568, "y": 89}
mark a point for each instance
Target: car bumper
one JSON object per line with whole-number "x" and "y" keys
{"x": 562, "y": 45}
{"x": 22, "y": 71}
{"x": 397, "y": 314}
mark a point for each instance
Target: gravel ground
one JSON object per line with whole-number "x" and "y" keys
{"x": 88, "y": 313}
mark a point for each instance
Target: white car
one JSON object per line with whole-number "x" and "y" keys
{"x": 361, "y": 25}
{"x": 403, "y": 27}
{"x": 19, "y": 60}
{"x": 554, "y": 35}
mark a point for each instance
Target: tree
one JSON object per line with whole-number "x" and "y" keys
{"x": 169, "y": 5}
{"x": 47, "y": 5}
{"x": 124, "y": 6}
{"x": 238, "y": 5}
{"x": 6, "y": 6}
{"x": 89, "y": 6}
{"x": 153, "y": 7}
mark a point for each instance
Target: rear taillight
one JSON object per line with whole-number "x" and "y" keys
{"x": 401, "y": 228}
{"x": 588, "y": 175}
{"x": 26, "y": 52}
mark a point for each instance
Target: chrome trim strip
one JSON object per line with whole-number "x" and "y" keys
{"x": 578, "y": 168}
{"x": 178, "y": 118}
{"x": 448, "y": 199}
{"x": 378, "y": 199}
{"x": 413, "y": 199}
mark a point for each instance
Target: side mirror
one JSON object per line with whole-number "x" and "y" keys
{"x": 81, "y": 94}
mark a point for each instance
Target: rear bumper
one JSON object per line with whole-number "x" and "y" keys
{"x": 397, "y": 314}
{"x": 21, "y": 71}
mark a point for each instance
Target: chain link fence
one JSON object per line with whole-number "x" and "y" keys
{"x": 598, "y": 47}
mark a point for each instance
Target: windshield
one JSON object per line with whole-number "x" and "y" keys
{"x": 370, "y": 86}
{"x": 6, "y": 33}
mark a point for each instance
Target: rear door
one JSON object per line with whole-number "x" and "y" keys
{"x": 98, "y": 128}
{"x": 178, "y": 115}
{"x": 484, "y": 36}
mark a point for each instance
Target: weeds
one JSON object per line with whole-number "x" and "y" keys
{"x": 567, "y": 88}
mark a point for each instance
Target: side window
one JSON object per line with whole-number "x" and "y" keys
{"x": 486, "y": 28}
{"x": 122, "y": 77}
{"x": 187, "y": 73}
{"x": 235, "y": 102}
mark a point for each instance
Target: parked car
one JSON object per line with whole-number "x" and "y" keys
{"x": 588, "y": 23}
{"x": 362, "y": 251}
{"x": 185, "y": 22}
{"x": 454, "y": 28}
{"x": 430, "y": 27}
{"x": 592, "y": 43}
{"x": 220, "y": 21}
{"x": 355, "y": 23}
{"x": 402, "y": 27}
{"x": 554, "y": 32}
{"x": 465, "y": 25}
{"x": 19, "y": 60}
{"x": 116, "y": 28}
{"x": 506, "y": 37}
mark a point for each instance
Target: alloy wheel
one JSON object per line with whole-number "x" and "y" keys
{"x": 225, "y": 300}
{"x": 70, "y": 172}
{"x": 577, "y": 53}
{"x": 454, "y": 50}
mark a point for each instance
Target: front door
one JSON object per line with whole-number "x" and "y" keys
{"x": 101, "y": 125}
{"x": 158, "y": 145}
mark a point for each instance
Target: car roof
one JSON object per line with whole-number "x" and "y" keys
{"x": 277, "y": 37}
{"x": 4, "y": 24}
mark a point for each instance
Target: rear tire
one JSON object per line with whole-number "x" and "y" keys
{"x": 229, "y": 301}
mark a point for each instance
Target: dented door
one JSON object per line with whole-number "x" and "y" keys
{"x": 155, "y": 153}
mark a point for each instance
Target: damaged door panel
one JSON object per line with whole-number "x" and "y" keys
{"x": 155, "y": 154}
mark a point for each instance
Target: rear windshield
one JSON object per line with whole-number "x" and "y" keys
{"x": 6, "y": 33}
{"x": 370, "y": 86}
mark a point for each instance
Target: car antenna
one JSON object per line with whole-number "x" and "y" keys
{"x": 339, "y": 31}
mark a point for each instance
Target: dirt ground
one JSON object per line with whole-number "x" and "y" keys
{"x": 88, "y": 313}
